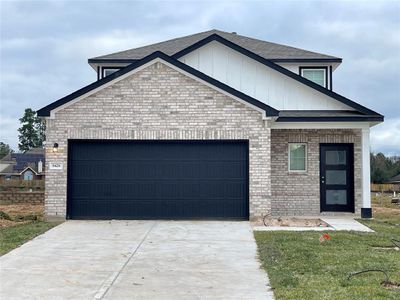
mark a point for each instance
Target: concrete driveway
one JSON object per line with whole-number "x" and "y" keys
{"x": 137, "y": 260}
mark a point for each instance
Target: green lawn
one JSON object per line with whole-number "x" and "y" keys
{"x": 15, "y": 236}
{"x": 301, "y": 267}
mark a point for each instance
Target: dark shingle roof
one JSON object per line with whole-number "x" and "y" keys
{"x": 22, "y": 160}
{"x": 267, "y": 50}
{"x": 395, "y": 179}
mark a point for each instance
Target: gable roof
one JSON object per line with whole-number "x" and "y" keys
{"x": 28, "y": 168}
{"x": 361, "y": 113}
{"x": 280, "y": 69}
{"x": 267, "y": 50}
{"x": 270, "y": 111}
{"x": 20, "y": 161}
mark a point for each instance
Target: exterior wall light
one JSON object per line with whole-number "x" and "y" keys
{"x": 55, "y": 147}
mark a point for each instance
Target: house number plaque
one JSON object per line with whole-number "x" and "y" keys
{"x": 56, "y": 166}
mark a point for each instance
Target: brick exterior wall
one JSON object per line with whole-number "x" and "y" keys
{"x": 158, "y": 102}
{"x": 297, "y": 194}
{"x": 14, "y": 197}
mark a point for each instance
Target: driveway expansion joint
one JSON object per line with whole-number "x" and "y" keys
{"x": 107, "y": 284}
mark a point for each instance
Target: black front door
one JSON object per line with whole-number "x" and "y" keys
{"x": 337, "y": 177}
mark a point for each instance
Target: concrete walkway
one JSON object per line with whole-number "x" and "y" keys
{"x": 136, "y": 260}
{"x": 335, "y": 224}
{"x": 346, "y": 224}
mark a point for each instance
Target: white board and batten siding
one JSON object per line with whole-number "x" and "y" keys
{"x": 257, "y": 80}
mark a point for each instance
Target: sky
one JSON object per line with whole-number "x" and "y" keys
{"x": 45, "y": 46}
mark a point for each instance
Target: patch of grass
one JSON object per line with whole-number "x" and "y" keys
{"x": 15, "y": 236}
{"x": 5, "y": 216}
{"x": 301, "y": 267}
{"x": 20, "y": 223}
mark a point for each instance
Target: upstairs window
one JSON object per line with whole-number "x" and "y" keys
{"x": 109, "y": 71}
{"x": 28, "y": 175}
{"x": 317, "y": 75}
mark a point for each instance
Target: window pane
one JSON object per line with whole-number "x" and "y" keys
{"x": 109, "y": 71}
{"x": 317, "y": 76}
{"x": 336, "y": 176}
{"x": 28, "y": 175}
{"x": 335, "y": 157}
{"x": 297, "y": 164}
{"x": 297, "y": 157}
{"x": 336, "y": 197}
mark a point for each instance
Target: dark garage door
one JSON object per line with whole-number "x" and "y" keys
{"x": 158, "y": 180}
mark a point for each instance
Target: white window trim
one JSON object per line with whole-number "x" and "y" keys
{"x": 315, "y": 69}
{"x": 107, "y": 69}
{"x": 306, "y": 158}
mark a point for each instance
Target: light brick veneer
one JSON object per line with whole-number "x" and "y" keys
{"x": 297, "y": 194}
{"x": 158, "y": 102}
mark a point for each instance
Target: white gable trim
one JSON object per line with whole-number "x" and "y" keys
{"x": 27, "y": 169}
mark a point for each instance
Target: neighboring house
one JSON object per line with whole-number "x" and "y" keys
{"x": 213, "y": 125}
{"x": 26, "y": 166}
{"x": 395, "y": 179}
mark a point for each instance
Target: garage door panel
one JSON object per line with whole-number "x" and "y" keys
{"x": 154, "y": 179}
{"x": 124, "y": 209}
{"x": 165, "y": 190}
{"x": 137, "y": 169}
{"x": 92, "y": 170}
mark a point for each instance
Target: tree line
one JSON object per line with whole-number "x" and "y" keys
{"x": 383, "y": 168}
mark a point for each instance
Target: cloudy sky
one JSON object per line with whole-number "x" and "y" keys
{"x": 45, "y": 46}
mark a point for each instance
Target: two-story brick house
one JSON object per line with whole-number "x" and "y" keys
{"x": 213, "y": 125}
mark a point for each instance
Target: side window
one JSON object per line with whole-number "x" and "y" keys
{"x": 297, "y": 157}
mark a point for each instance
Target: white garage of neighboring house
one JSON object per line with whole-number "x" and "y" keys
{"x": 209, "y": 126}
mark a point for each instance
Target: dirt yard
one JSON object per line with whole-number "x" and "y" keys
{"x": 16, "y": 214}
{"x": 290, "y": 222}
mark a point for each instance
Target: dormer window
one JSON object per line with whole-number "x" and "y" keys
{"x": 319, "y": 75}
{"x": 109, "y": 71}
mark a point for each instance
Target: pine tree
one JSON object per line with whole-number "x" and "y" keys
{"x": 32, "y": 131}
{"x": 5, "y": 149}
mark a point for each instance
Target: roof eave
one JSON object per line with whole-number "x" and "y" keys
{"x": 111, "y": 60}
{"x": 276, "y": 60}
{"x": 374, "y": 118}
{"x": 306, "y": 60}
{"x": 270, "y": 111}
